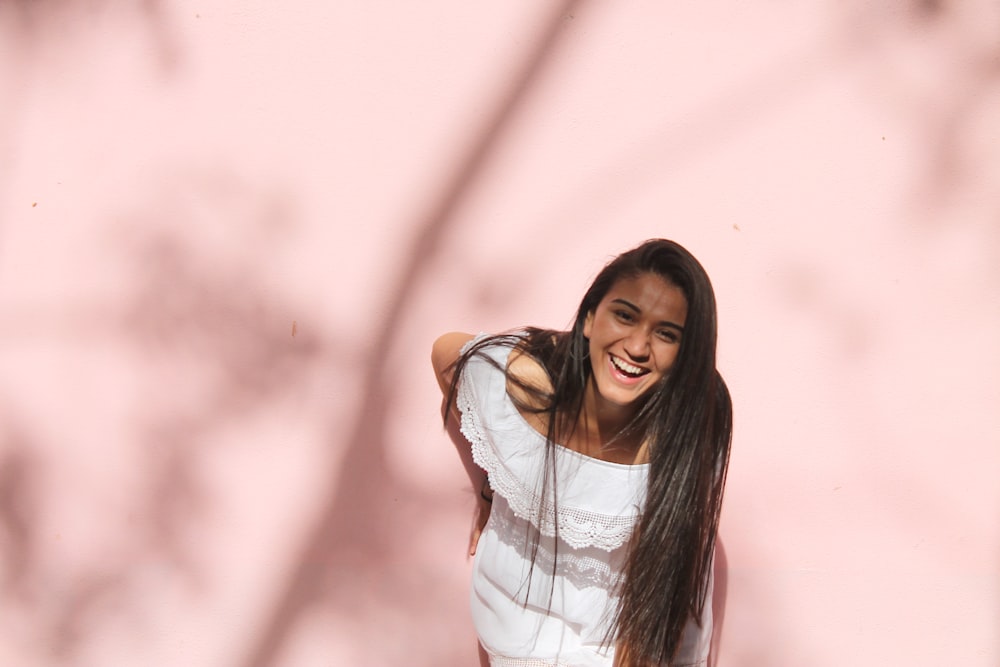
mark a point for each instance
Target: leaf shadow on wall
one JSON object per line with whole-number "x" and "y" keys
{"x": 35, "y": 31}
{"x": 32, "y": 22}
{"x": 207, "y": 347}
{"x": 345, "y": 562}
{"x": 949, "y": 207}
{"x": 951, "y": 108}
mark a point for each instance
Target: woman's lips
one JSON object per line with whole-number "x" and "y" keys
{"x": 625, "y": 372}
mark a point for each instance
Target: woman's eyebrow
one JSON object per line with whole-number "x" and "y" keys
{"x": 664, "y": 323}
{"x": 627, "y": 303}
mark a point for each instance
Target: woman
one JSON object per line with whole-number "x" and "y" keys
{"x": 600, "y": 454}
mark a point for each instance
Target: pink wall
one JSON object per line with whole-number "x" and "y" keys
{"x": 229, "y": 232}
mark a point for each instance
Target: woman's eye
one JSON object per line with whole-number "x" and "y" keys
{"x": 623, "y": 315}
{"x": 667, "y": 335}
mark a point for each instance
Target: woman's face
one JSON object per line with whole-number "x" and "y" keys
{"x": 634, "y": 334}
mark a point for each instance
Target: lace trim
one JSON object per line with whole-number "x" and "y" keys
{"x": 504, "y": 661}
{"x": 578, "y": 528}
{"x": 583, "y": 568}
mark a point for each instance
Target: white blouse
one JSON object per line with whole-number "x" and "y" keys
{"x": 560, "y": 611}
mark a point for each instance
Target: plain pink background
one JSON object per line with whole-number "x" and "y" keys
{"x": 230, "y": 231}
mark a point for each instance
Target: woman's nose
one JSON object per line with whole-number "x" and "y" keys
{"x": 637, "y": 345}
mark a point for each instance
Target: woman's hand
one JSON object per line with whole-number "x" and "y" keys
{"x": 484, "y": 503}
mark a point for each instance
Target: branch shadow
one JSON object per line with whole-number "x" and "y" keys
{"x": 340, "y": 549}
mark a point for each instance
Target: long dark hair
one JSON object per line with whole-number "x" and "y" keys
{"x": 686, "y": 420}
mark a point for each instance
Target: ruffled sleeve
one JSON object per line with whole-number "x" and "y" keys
{"x": 598, "y": 502}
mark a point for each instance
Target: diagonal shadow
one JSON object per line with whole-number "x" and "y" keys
{"x": 323, "y": 568}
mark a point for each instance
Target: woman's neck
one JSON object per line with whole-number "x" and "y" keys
{"x": 598, "y": 430}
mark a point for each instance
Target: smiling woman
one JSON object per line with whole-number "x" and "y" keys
{"x": 600, "y": 454}
{"x": 634, "y": 336}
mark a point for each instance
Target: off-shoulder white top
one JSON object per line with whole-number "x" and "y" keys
{"x": 560, "y": 611}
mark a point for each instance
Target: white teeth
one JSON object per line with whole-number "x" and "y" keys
{"x": 627, "y": 367}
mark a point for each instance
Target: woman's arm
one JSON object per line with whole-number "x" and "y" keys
{"x": 444, "y": 353}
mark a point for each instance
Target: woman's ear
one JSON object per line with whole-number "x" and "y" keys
{"x": 588, "y": 324}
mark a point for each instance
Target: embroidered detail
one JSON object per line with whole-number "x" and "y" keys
{"x": 584, "y": 568}
{"x": 585, "y": 657}
{"x": 504, "y": 661}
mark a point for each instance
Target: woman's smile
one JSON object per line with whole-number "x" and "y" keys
{"x": 634, "y": 334}
{"x": 628, "y": 372}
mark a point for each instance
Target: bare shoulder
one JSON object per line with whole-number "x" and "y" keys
{"x": 444, "y": 353}
{"x": 523, "y": 369}
{"x": 447, "y": 347}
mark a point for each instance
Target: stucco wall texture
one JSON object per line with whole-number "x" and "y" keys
{"x": 229, "y": 232}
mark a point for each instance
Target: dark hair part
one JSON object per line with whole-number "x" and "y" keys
{"x": 686, "y": 421}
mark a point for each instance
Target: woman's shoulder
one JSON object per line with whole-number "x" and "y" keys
{"x": 444, "y": 353}
{"x": 529, "y": 387}
{"x": 527, "y": 378}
